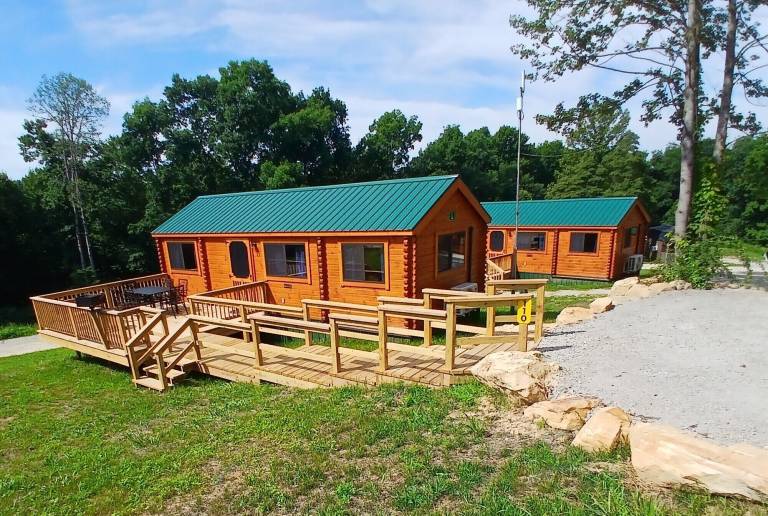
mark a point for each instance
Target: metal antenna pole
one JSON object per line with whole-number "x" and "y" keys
{"x": 517, "y": 186}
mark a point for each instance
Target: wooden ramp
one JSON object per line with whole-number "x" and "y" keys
{"x": 231, "y": 358}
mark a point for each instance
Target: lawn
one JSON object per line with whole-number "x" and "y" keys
{"x": 76, "y": 437}
{"x": 16, "y": 321}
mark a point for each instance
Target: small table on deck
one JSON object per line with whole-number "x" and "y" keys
{"x": 151, "y": 294}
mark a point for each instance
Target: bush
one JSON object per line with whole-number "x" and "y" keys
{"x": 696, "y": 261}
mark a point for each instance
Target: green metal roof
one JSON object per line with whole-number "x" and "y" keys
{"x": 393, "y": 205}
{"x": 597, "y": 211}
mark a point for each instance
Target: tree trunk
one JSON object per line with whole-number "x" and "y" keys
{"x": 689, "y": 133}
{"x": 726, "y": 92}
{"x": 78, "y": 239}
{"x": 81, "y": 214}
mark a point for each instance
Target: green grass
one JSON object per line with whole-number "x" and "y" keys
{"x": 77, "y": 438}
{"x": 578, "y": 285}
{"x": 13, "y": 330}
{"x": 752, "y": 251}
{"x": 16, "y": 321}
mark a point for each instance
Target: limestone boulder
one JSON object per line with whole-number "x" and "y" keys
{"x": 621, "y": 287}
{"x": 524, "y": 375}
{"x": 658, "y": 288}
{"x": 668, "y": 457}
{"x": 563, "y": 413}
{"x": 638, "y": 291}
{"x": 680, "y": 285}
{"x": 573, "y": 315}
{"x": 601, "y": 304}
{"x": 606, "y": 428}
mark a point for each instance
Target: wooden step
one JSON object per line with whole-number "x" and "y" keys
{"x": 150, "y": 383}
{"x": 171, "y": 374}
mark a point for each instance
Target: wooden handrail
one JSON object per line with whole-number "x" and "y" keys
{"x": 408, "y": 312}
{"x": 145, "y": 330}
{"x": 75, "y": 291}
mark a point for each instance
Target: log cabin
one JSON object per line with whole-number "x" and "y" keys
{"x": 346, "y": 242}
{"x": 590, "y": 238}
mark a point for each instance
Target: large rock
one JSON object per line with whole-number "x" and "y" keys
{"x": 573, "y": 314}
{"x": 601, "y": 304}
{"x": 604, "y": 430}
{"x": 638, "y": 291}
{"x": 563, "y": 413}
{"x": 668, "y": 457}
{"x": 679, "y": 284}
{"x": 621, "y": 287}
{"x": 658, "y": 288}
{"x": 524, "y": 375}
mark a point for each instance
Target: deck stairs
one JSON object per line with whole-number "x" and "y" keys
{"x": 159, "y": 358}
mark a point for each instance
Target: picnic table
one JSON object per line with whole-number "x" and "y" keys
{"x": 151, "y": 294}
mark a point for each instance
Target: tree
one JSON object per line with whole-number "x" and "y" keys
{"x": 384, "y": 152}
{"x": 76, "y": 112}
{"x": 659, "y": 44}
{"x": 739, "y": 64}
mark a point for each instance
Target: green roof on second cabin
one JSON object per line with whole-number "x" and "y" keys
{"x": 592, "y": 212}
{"x": 393, "y": 205}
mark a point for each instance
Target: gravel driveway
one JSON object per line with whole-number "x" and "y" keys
{"x": 695, "y": 359}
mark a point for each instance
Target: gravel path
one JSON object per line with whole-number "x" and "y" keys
{"x": 694, "y": 359}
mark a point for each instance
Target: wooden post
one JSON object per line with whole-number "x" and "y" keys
{"x": 522, "y": 335}
{"x": 539, "y": 331}
{"x": 450, "y": 336}
{"x": 161, "y": 370}
{"x": 244, "y": 318}
{"x": 256, "y": 343}
{"x": 336, "y": 364}
{"x": 193, "y": 326}
{"x": 307, "y": 333}
{"x": 74, "y": 324}
{"x": 490, "y": 312}
{"x": 383, "y": 356}
{"x": 427, "y": 323}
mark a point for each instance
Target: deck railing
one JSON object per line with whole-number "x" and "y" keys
{"x": 499, "y": 267}
{"x": 113, "y": 292}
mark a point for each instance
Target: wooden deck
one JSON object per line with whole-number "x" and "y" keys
{"x": 357, "y": 367}
{"x": 231, "y": 334}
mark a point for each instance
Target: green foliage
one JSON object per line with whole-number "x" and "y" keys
{"x": 14, "y": 330}
{"x": 696, "y": 261}
{"x": 384, "y": 153}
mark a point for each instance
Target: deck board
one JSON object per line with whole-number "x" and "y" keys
{"x": 278, "y": 366}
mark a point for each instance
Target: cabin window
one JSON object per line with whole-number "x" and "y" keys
{"x": 451, "y": 250}
{"x": 182, "y": 256}
{"x": 532, "y": 241}
{"x": 497, "y": 241}
{"x": 628, "y": 234}
{"x": 288, "y": 260}
{"x": 363, "y": 262}
{"x": 583, "y": 242}
{"x": 238, "y": 259}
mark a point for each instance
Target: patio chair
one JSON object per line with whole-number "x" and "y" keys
{"x": 172, "y": 299}
{"x": 182, "y": 288}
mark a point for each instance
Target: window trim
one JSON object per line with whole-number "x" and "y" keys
{"x": 538, "y": 251}
{"x": 364, "y": 284}
{"x": 196, "y": 270}
{"x": 248, "y": 256}
{"x": 632, "y": 243}
{"x": 463, "y": 268}
{"x": 503, "y": 240}
{"x": 584, "y": 253}
{"x": 287, "y": 279}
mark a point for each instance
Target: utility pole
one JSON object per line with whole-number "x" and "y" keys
{"x": 517, "y": 186}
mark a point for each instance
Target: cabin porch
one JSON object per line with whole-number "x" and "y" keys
{"x": 237, "y": 334}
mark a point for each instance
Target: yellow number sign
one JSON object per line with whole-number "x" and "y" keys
{"x": 524, "y": 312}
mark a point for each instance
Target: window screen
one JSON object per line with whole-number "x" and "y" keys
{"x": 238, "y": 259}
{"x": 583, "y": 242}
{"x": 450, "y": 251}
{"x": 363, "y": 262}
{"x": 289, "y": 260}
{"x": 497, "y": 241}
{"x": 532, "y": 241}
{"x": 182, "y": 255}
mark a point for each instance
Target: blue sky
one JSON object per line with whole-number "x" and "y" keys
{"x": 446, "y": 61}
